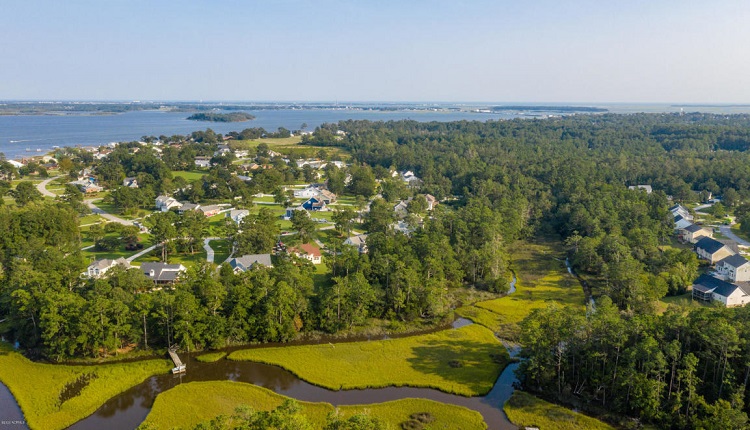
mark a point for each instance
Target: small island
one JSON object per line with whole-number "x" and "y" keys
{"x": 222, "y": 117}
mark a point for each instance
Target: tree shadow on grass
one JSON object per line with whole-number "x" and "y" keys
{"x": 466, "y": 364}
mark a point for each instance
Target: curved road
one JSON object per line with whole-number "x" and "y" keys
{"x": 42, "y": 187}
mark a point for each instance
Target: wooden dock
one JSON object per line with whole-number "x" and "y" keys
{"x": 179, "y": 367}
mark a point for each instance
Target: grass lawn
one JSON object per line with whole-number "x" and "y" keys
{"x": 222, "y": 248}
{"x": 459, "y": 361}
{"x": 92, "y": 254}
{"x": 542, "y": 279}
{"x": 39, "y": 388}
{"x": 190, "y": 176}
{"x": 523, "y": 409}
{"x": 189, "y": 404}
{"x": 211, "y": 357}
{"x": 683, "y": 300}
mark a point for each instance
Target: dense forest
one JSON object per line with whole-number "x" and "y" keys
{"x": 221, "y": 117}
{"x": 499, "y": 181}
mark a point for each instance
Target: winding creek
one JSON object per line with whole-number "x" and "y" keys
{"x": 129, "y": 409}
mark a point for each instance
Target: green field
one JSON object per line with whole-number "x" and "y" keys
{"x": 189, "y": 404}
{"x": 683, "y": 300}
{"x": 56, "y": 396}
{"x": 464, "y": 361}
{"x": 190, "y": 176}
{"x": 523, "y": 409}
{"x": 542, "y": 279}
{"x": 222, "y": 248}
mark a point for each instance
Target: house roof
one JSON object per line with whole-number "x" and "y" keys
{"x": 709, "y": 245}
{"x": 238, "y": 212}
{"x": 358, "y": 240}
{"x": 693, "y": 228}
{"x": 735, "y": 261}
{"x": 162, "y": 271}
{"x": 106, "y": 263}
{"x": 247, "y": 261}
{"x": 709, "y": 284}
{"x": 189, "y": 207}
{"x": 308, "y": 248}
{"x": 210, "y": 208}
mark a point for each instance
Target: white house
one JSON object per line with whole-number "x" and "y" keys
{"x": 238, "y": 214}
{"x": 681, "y": 222}
{"x": 734, "y": 268}
{"x": 100, "y": 267}
{"x": 165, "y": 203}
{"x": 202, "y": 162}
{"x": 359, "y": 241}
{"x": 306, "y": 193}
{"x": 646, "y": 188}
{"x": 130, "y": 182}
{"x": 681, "y": 211}
{"x": 710, "y": 289}
{"x": 163, "y": 273}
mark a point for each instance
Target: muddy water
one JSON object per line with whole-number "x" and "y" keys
{"x": 129, "y": 409}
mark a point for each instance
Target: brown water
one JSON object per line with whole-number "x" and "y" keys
{"x": 130, "y": 408}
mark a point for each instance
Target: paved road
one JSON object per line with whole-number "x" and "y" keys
{"x": 209, "y": 250}
{"x": 727, "y": 231}
{"x": 42, "y": 187}
{"x": 113, "y": 218}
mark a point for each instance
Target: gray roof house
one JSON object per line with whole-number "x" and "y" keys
{"x": 247, "y": 262}
{"x": 734, "y": 268}
{"x": 359, "y": 241}
{"x": 162, "y": 273}
{"x": 100, "y": 267}
{"x": 710, "y": 289}
{"x": 712, "y": 250}
{"x": 237, "y": 215}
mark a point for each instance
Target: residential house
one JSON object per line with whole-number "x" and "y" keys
{"x": 100, "y": 267}
{"x": 431, "y": 201}
{"x": 203, "y": 161}
{"x": 326, "y": 196}
{"x": 308, "y": 251}
{"x": 681, "y": 222}
{"x": 187, "y": 206}
{"x": 290, "y": 211}
{"x": 162, "y": 273}
{"x": 87, "y": 186}
{"x": 681, "y": 211}
{"x": 734, "y": 268}
{"x": 306, "y": 193}
{"x": 130, "y": 182}
{"x": 646, "y": 188}
{"x": 238, "y": 214}
{"x": 165, "y": 203}
{"x": 411, "y": 179}
{"x": 693, "y": 233}
{"x": 712, "y": 250}
{"x": 402, "y": 227}
{"x": 710, "y": 289}
{"x": 247, "y": 262}
{"x": 210, "y": 210}
{"x": 359, "y": 241}
{"x": 401, "y": 208}
{"x": 315, "y": 204}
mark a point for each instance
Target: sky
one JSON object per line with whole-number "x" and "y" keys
{"x": 634, "y": 51}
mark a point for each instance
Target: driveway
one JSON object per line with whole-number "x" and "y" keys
{"x": 209, "y": 250}
{"x": 113, "y": 218}
{"x": 727, "y": 231}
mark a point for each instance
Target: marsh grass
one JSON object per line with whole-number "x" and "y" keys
{"x": 189, "y": 404}
{"x": 523, "y": 409}
{"x": 542, "y": 279}
{"x": 56, "y": 396}
{"x": 417, "y": 361}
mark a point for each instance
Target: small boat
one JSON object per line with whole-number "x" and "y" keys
{"x": 179, "y": 369}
